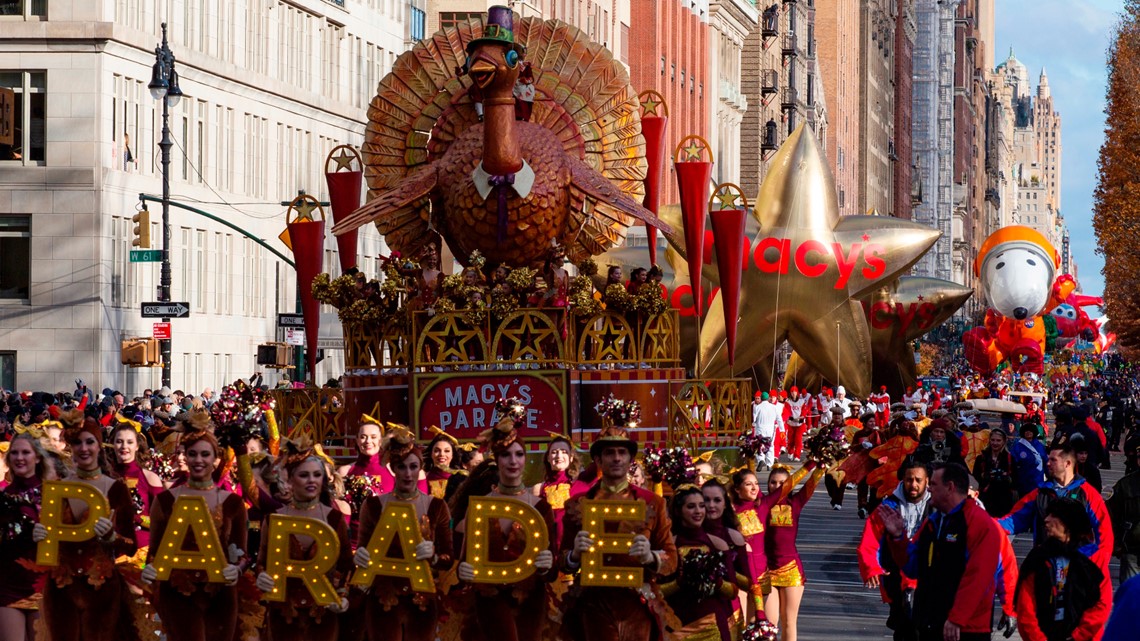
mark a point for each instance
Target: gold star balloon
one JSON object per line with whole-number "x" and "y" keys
{"x": 806, "y": 268}
{"x": 896, "y": 314}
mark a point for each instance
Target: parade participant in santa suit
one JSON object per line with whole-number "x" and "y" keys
{"x": 882, "y": 405}
{"x": 785, "y": 568}
{"x": 442, "y": 454}
{"x": 766, "y": 420}
{"x": 709, "y": 591}
{"x": 84, "y": 593}
{"x": 1028, "y": 515}
{"x": 877, "y": 567}
{"x": 515, "y": 611}
{"x": 28, "y": 465}
{"x": 298, "y": 618}
{"x": 192, "y": 609}
{"x": 617, "y": 613}
{"x": 560, "y": 473}
{"x": 795, "y": 417}
{"x": 393, "y": 612}
{"x": 143, "y": 484}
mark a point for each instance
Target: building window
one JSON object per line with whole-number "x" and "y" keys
{"x": 23, "y": 8}
{"x": 455, "y": 18}
{"x": 418, "y": 23}
{"x": 29, "y": 90}
{"x": 15, "y": 256}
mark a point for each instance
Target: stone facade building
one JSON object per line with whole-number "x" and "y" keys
{"x": 840, "y": 45}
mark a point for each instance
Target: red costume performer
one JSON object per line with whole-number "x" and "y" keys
{"x": 393, "y": 612}
{"x": 298, "y": 618}
{"x": 144, "y": 485}
{"x": 84, "y": 595}
{"x": 515, "y": 611}
{"x": 192, "y": 609}
{"x": 882, "y": 405}
{"x": 796, "y": 409}
{"x": 19, "y": 512}
{"x": 442, "y": 452}
{"x": 614, "y": 613}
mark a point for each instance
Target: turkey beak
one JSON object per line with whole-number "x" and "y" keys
{"x": 483, "y": 73}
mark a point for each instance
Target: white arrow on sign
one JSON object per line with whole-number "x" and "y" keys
{"x": 165, "y": 310}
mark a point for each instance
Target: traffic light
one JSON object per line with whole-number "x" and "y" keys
{"x": 142, "y": 230}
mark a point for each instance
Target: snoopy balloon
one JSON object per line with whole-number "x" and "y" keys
{"x": 1016, "y": 266}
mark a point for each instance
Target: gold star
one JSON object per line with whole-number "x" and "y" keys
{"x": 305, "y": 208}
{"x": 344, "y": 160}
{"x": 693, "y": 150}
{"x": 650, "y": 106}
{"x": 727, "y": 198}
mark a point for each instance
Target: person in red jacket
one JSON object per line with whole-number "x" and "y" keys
{"x": 1062, "y": 595}
{"x": 955, "y": 559}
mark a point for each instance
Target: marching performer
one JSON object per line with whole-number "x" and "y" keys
{"x": 27, "y": 463}
{"x": 144, "y": 485}
{"x": 442, "y": 451}
{"x": 881, "y": 401}
{"x": 795, "y": 415}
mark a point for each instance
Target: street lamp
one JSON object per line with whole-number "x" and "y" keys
{"x": 164, "y": 86}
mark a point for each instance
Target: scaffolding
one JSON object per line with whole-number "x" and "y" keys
{"x": 933, "y": 129}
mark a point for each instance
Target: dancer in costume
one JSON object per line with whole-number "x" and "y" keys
{"x": 393, "y": 612}
{"x": 702, "y": 591}
{"x": 368, "y": 476}
{"x": 442, "y": 452}
{"x": 298, "y": 618}
{"x": 28, "y": 465}
{"x": 721, "y": 522}
{"x": 795, "y": 417}
{"x": 516, "y": 611}
{"x": 192, "y": 609}
{"x": 785, "y": 569}
{"x": 143, "y": 484}
{"x": 752, "y": 515}
{"x": 83, "y": 598}
{"x": 613, "y": 613}
{"x": 559, "y": 481}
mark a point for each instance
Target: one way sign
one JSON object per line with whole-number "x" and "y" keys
{"x": 166, "y": 310}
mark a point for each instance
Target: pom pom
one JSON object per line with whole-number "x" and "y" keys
{"x": 753, "y": 445}
{"x": 670, "y": 465}
{"x": 701, "y": 572}
{"x": 826, "y": 444}
{"x": 760, "y": 630}
{"x": 620, "y": 412}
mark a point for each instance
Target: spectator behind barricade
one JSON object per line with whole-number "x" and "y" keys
{"x": 1061, "y": 594}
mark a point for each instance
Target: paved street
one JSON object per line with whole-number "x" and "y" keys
{"x": 836, "y": 606}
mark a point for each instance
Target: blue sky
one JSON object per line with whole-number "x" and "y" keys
{"x": 1070, "y": 39}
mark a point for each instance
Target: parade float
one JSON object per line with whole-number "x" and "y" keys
{"x": 525, "y": 154}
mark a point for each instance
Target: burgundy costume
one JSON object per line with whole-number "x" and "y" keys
{"x": 19, "y": 512}
{"x": 690, "y": 607}
{"x": 143, "y": 494}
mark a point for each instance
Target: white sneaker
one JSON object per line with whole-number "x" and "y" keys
{"x": 836, "y": 507}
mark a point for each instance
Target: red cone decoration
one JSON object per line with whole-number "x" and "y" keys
{"x": 308, "y": 237}
{"x": 728, "y": 236}
{"x": 344, "y": 196}
{"x": 693, "y": 176}
{"x": 653, "y": 129}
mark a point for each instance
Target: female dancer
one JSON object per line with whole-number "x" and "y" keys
{"x": 752, "y": 514}
{"x": 143, "y": 484}
{"x": 561, "y": 467}
{"x": 785, "y": 570}
{"x": 514, "y": 612}
{"x": 721, "y": 522}
{"x": 192, "y": 609}
{"x": 693, "y": 598}
{"x": 393, "y": 612}
{"x": 442, "y": 450}
{"x": 83, "y": 598}
{"x": 19, "y": 511}
{"x": 298, "y": 617}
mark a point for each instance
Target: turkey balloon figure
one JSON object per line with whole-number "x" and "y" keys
{"x": 1016, "y": 266}
{"x": 444, "y": 151}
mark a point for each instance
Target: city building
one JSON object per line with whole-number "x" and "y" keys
{"x": 781, "y": 81}
{"x": 270, "y": 87}
{"x": 840, "y": 45}
{"x": 933, "y": 129}
{"x": 877, "y": 22}
{"x": 732, "y": 21}
{"x": 970, "y": 182}
{"x": 905, "y": 190}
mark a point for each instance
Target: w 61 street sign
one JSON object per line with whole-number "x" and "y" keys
{"x": 146, "y": 255}
{"x": 166, "y": 310}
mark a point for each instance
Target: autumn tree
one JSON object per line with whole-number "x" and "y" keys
{"x": 1116, "y": 215}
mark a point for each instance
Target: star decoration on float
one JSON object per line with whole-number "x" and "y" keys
{"x": 650, "y": 106}
{"x": 806, "y": 266}
{"x": 305, "y": 208}
{"x": 692, "y": 151}
{"x": 727, "y": 198}
{"x": 344, "y": 160}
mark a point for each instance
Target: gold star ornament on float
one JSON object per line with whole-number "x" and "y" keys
{"x": 805, "y": 268}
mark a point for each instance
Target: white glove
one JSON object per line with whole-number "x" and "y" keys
{"x": 39, "y": 532}
{"x": 103, "y": 527}
{"x": 231, "y": 573}
{"x": 340, "y": 607}
{"x": 362, "y": 558}
{"x": 265, "y": 582}
{"x": 149, "y": 575}
{"x": 582, "y": 545}
{"x": 425, "y": 550}
{"x": 544, "y": 560}
{"x": 466, "y": 572}
{"x": 867, "y": 445}
{"x": 641, "y": 550}
{"x": 234, "y": 553}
